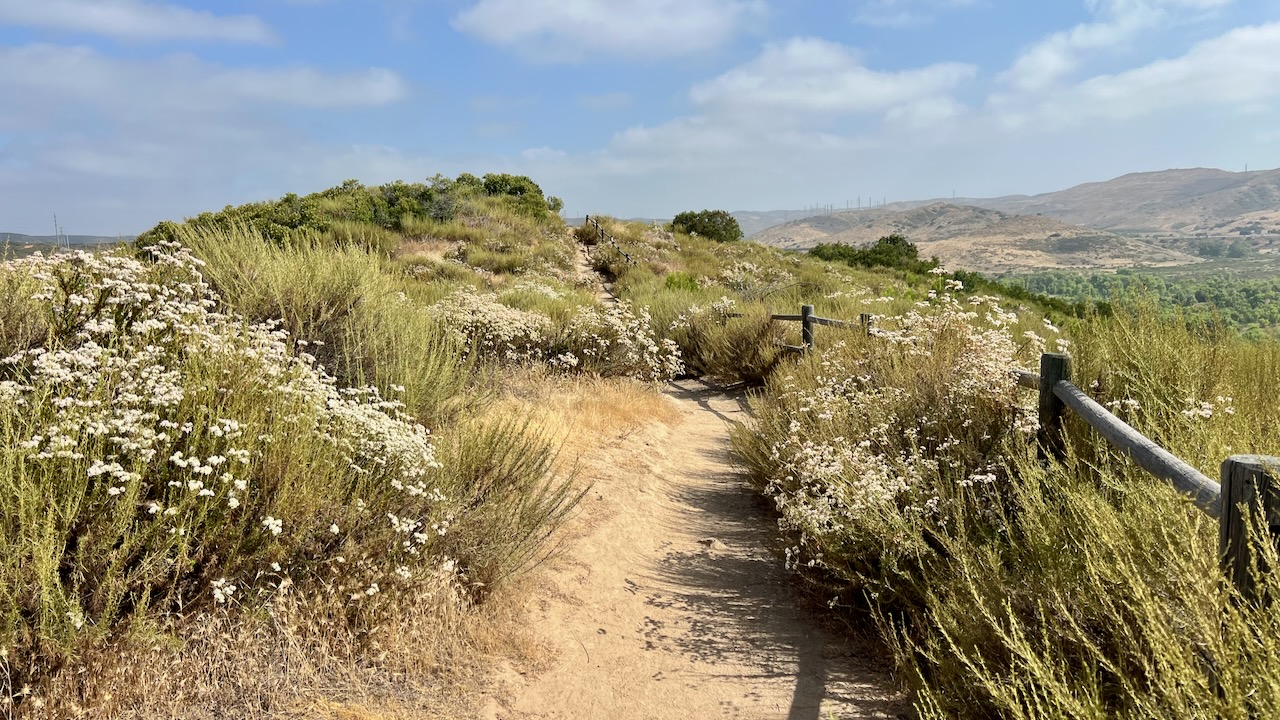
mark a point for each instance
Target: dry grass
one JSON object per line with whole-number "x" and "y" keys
{"x": 428, "y": 247}
{"x": 300, "y": 661}
{"x": 582, "y": 413}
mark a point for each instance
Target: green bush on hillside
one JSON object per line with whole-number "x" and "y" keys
{"x": 893, "y": 251}
{"x": 717, "y": 225}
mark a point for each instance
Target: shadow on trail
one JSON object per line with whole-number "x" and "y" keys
{"x": 703, "y": 393}
{"x": 745, "y": 610}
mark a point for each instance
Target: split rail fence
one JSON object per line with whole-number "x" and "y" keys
{"x": 1247, "y": 496}
{"x": 607, "y": 239}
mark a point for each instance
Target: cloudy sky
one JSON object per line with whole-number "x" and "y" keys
{"x": 115, "y": 114}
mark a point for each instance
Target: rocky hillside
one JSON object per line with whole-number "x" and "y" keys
{"x": 977, "y": 238}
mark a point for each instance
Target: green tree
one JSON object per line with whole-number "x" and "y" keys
{"x": 891, "y": 251}
{"x": 715, "y": 224}
{"x": 507, "y": 184}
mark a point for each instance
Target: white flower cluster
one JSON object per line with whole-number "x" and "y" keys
{"x": 132, "y": 386}
{"x": 745, "y": 277}
{"x": 1203, "y": 409}
{"x": 535, "y": 287}
{"x": 492, "y": 329}
{"x": 872, "y": 434}
{"x": 610, "y": 340}
{"x": 622, "y": 341}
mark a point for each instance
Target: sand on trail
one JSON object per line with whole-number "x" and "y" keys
{"x": 666, "y": 601}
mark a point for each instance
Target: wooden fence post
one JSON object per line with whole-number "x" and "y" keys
{"x": 865, "y": 319}
{"x": 1053, "y": 367}
{"x": 1249, "y": 497}
{"x": 806, "y": 327}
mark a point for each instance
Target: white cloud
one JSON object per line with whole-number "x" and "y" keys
{"x": 1240, "y": 68}
{"x": 810, "y": 75}
{"x": 128, "y": 141}
{"x": 578, "y": 30}
{"x": 134, "y": 20}
{"x": 1057, "y": 56}
{"x": 308, "y": 87}
{"x": 51, "y": 78}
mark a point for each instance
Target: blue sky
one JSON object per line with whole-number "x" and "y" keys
{"x": 120, "y": 113}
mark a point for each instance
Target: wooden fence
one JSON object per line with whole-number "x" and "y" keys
{"x": 1246, "y": 497}
{"x": 607, "y": 239}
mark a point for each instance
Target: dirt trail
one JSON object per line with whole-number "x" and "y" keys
{"x": 666, "y": 602}
{"x": 584, "y": 270}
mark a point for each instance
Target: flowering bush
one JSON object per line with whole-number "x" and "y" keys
{"x": 161, "y": 455}
{"x": 863, "y": 446}
{"x": 610, "y": 340}
{"x": 495, "y": 330}
{"x": 753, "y": 279}
{"x": 617, "y": 340}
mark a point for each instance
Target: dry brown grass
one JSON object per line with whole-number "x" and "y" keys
{"x": 583, "y": 413}
{"x": 298, "y": 661}
{"x": 429, "y": 247}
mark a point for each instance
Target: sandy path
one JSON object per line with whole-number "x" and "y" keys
{"x": 584, "y": 270}
{"x": 667, "y": 604}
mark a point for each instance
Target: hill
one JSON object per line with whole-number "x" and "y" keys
{"x": 975, "y": 238}
{"x": 755, "y": 221}
{"x": 1197, "y": 200}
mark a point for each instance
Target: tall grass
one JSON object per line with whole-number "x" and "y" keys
{"x": 346, "y": 307}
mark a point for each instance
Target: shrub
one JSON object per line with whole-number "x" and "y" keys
{"x": 716, "y": 225}
{"x": 893, "y": 251}
{"x": 904, "y": 466}
{"x": 617, "y": 340}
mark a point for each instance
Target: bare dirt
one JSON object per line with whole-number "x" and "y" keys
{"x": 667, "y": 602}
{"x": 585, "y": 272}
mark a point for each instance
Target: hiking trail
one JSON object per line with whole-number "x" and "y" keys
{"x": 666, "y": 601}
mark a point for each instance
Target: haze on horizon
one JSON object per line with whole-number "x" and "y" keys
{"x": 121, "y": 113}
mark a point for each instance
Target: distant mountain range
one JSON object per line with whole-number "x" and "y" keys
{"x": 977, "y": 238}
{"x": 1179, "y": 202}
{"x": 1152, "y": 218}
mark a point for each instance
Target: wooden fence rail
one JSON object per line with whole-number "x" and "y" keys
{"x": 608, "y": 239}
{"x": 1248, "y": 495}
{"x": 1245, "y": 497}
